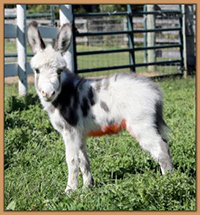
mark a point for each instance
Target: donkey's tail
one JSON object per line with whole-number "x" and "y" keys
{"x": 161, "y": 125}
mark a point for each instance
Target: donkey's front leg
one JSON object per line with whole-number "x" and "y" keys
{"x": 72, "y": 147}
{"x": 85, "y": 166}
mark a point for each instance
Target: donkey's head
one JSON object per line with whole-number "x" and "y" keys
{"x": 48, "y": 62}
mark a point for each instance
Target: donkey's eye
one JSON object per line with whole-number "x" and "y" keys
{"x": 59, "y": 71}
{"x": 37, "y": 71}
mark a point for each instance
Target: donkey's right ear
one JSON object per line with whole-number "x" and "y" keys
{"x": 34, "y": 37}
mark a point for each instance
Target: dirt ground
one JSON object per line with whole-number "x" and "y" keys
{"x": 14, "y": 80}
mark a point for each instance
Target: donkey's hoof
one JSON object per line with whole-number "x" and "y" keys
{"x": 69, "y": 190}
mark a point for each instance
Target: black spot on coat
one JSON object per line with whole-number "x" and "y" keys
{"x": 91, "y": 96}
{"x": 104, "y": 106}
{"x": 85, "y": 107}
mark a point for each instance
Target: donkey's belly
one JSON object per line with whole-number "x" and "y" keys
{"x": 108, "y": 130}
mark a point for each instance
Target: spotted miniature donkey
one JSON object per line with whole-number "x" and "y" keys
{"x": 79, "y": 107}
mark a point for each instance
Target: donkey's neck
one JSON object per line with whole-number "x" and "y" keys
{"x": 68, "y": 100}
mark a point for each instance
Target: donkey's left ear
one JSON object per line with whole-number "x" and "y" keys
{"x": 64, "y": 38}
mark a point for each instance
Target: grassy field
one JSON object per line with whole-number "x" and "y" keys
{"x": 126, "y": 178}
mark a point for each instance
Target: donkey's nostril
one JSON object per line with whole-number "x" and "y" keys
{"x": 44, "y": 94}
{"x": 53, "y": 93}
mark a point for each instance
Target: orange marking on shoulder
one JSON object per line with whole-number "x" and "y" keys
{"x": 111, "y": 129}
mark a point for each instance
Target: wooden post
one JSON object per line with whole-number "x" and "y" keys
{"x": 188, "y": 39}
{"x": 131, "y": 38}
{"x": 145, "y": 34}
{"x": 151, "y": 37}
{"x": 66, "y": 16}
{"x": 21, "y": 49}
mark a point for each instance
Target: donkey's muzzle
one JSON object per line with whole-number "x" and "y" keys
{"x": 48, "y": 96}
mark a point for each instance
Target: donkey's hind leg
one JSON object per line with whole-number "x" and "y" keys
{"x": 151, "y": 141}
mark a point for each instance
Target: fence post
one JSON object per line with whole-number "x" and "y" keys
{"x": 181, "y": 40}
{"x": 52, "y": 15}
{"x": 66, "y": 16}
{"x": 151, "y": 37}
{"x": 131, "y": 37}
{"x": 21, "y": 49}
{"x": 188, "y": 39}
{"x": 145, "y": 34}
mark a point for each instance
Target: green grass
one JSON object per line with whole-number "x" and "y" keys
{"x": 117, "y": 59}
{"x": 126, "y": 177}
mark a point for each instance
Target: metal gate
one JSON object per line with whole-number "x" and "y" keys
{"x": 131, "y": 31}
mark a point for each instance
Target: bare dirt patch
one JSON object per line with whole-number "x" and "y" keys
{"x": 14, "y": 80}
